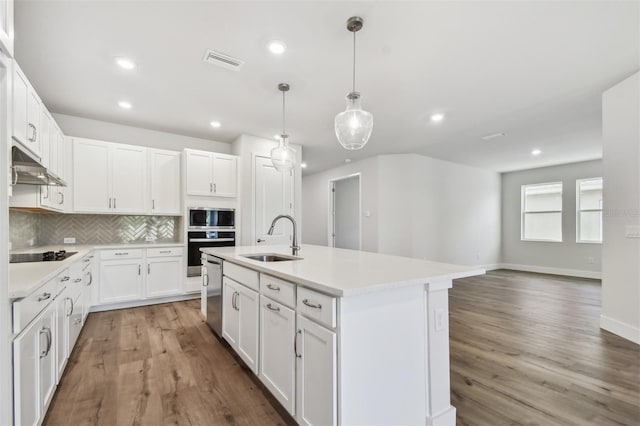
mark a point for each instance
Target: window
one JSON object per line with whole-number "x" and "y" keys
{"x": 542, "y": 212}
{"x": 589, "y": 210}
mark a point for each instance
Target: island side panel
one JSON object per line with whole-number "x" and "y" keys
{"x": 382, "y": 362}
{"x": 440, "y": 412}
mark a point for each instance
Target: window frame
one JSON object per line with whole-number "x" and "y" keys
{"x": 579, "y": 210}
{"x": 523, "y": 213}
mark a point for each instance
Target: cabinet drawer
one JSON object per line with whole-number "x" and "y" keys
{"x": 165, "y": 251}
{"x": 26, "y": 309}
{"x": 317, "y": 306}
{"x": 121, "y": 254}
{"x": 279, "y": 290}
{"x": 245, "y": 276}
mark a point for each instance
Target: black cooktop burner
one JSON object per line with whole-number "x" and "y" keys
{"x": 47, "y": 256}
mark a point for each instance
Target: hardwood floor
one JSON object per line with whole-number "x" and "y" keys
{"x": 525, "y": 349}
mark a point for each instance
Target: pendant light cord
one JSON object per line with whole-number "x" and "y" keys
{"x": 283, "y": 119}
{"x": 354, "y": 61}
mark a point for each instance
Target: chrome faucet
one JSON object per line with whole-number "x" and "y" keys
{"x": 295, "y": 248}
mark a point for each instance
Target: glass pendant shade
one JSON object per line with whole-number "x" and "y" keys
{"x": 283, "y": 156}
{"x": 354, "y": 125}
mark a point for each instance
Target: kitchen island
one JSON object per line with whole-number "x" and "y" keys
{"x": 342, "y": 336}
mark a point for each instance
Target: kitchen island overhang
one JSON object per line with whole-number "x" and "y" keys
{"x": 391, "y": 361}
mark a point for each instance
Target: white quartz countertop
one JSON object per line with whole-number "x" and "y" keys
{"x": 341, "y": 272}
{"x": 25, "y": 278}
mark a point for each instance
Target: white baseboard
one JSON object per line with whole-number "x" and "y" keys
{"x": 620, "y": 328}
{"x": 555, "y": 271}
{"x": 144, "y": 302}
{"x": 490, "y": 266}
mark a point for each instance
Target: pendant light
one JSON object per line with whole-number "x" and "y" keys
{"x": 283, "y": 156}
{"x": 354, "y": 125}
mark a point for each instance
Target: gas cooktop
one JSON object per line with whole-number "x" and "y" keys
{"x": 47, "y": 256}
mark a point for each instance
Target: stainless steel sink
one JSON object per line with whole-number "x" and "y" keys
{"x": 270, "y": 257}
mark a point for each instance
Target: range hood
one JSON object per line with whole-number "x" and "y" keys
{"x": 27, "y": 170}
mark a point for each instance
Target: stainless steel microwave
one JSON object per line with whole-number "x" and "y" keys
{"x": 211, "y": 218}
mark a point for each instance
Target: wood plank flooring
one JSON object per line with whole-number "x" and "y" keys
{"x": 525, "y": 349}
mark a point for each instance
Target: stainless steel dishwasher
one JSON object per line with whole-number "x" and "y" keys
{"x": 214, "y": 293}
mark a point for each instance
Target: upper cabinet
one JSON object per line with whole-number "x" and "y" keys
{"x": 211, "y": 174}
{"x": 6, "y": 26}
{"x": 164, "y": 171}
{"x": 26, "y": 112}
{"x": 109, "y": 177}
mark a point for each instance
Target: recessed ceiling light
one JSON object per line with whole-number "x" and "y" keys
{"x": 436, "y": 118}
{"x": 125, "y": 63}
{"x": 347, "y": 160}
{"x": 125, "y": 105}
{"x": 215, "y": 124}
{"x": 303, "y": 165}
{"x": 536, "y": 152}
{"x": 492, "y": 136}
{"x": 277, "y": 47}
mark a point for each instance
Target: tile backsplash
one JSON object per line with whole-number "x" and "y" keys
{"x": 28, "y": 229}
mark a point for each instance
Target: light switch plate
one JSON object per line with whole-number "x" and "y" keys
{"x": 150, "y": 239}
{"x": 69, "y": 240}
{"x": 632, "y": 231}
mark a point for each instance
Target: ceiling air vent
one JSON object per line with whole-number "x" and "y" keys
{"x": 220, "y": 59}
{"x": 492, "y": 136}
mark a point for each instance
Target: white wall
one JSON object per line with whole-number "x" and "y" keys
{"x": 621, "y": 170}
{"x": 111, "y": 132}
{"x": 567, "y": 257}
{"x": 419, "y": 207}
{"x": 347, "y": 213}
{"x": 247, "y": 147}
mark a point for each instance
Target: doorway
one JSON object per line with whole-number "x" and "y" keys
{"x": 345, "y": 223}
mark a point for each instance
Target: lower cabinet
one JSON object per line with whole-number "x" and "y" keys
{"x": 240, "y": 321}
{"x": 164, "y": 276}
{"x": 278, "y": 352}
{"x": 317, "y": 393}
{"x": 34, "y": 370}
{"x": 120, "y": 280}
{"x": 63, "y": 308}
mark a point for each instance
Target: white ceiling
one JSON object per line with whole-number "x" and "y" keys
{"x": 534, "y": 70}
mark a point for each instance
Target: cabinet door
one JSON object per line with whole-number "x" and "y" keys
{"x": 164, "y": 276}
{"x": 277, "y": 357}
{"x": 120, "y": 280}
{"x": 199, "y": 173}
{"x": 129, "y": 178}
{"x": 203, "y": 292}
{"x": 26, "y": 363}
{"x": 224, "y": 176}
{"x": 317, "y": 374}
{"x": 63, "y": 309}
{"x": 230, "y": 316}
{"x": 20, "y": 94}
{"x": 165, "y": 182}
{"x": 247, "y": 303}
{"x": 91, "y": 176}
{"x": 34, "y": 106}
{"x": 47, "y": 353}
{"x": 6, "y": 26}
{"x": 45, "y": 139}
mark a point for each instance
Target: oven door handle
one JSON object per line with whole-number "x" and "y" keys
{"x": 211, "y": 240}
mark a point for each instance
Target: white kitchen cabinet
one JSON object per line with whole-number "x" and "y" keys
{"x": 34, "y": 370}
{"x": 26, "y": 111}
{"x": 277, "y": 352}
{"x": 63, "y": 310}
{"x": 120, "y": 280}
{"x": 74, "y": 318}
{"x": 164, "y": 276}
{"x": 203, "y": 290}
{"x": 45, "y": 136}
{"x": 6, "y": 26}
{"x": 109, "y": 178}
{"x": 211, "y": 174}
{"x": 166, "y": 190}
{"x": 53, "y": 144}
{"x": 240, "y": 321}
{"x": 316, "y": 390}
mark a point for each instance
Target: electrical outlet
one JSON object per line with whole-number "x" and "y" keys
{"x": 150, "y": 239}
{"x": 69, "y": 240}
{"x": 632, "y": 231}
{"x": 441, "y": 319}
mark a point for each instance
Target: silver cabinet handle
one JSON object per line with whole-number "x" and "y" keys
{"x": 233, "y": 300}
{"x": 153, "y": 204}
{"x": 61, "y": 194}
{"x": 78, "y": 321}
{"x": 33, "y": 137}
{"x": 215, "y": 188}
{"x": 70, "y": 310}
{"x": 44, "y": 296}
{"x": 122, "y": 253}
{"x": 47, "y": 332}
{"x": 65, "y": 278}
{"x": 273, "y": 287}
{"x": 77, "y": 280}
{"x": 165, "y": 251}
{"x": 260, "y": 240}
{"x": 295, "y": 344}
{"x": 148, "y": 268}
{"x": 109, "y": 202}
{"x": 206, "y": 280}
{"x": 86, "y": 259}
{"x": 210, "y": 187}
{"x": 90, "y": 278}
{"x": 114, "y": 202}
{"x": 273, "y": 308}
{"x": 139, "y": 269}
{"x": 311, "y": 305}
